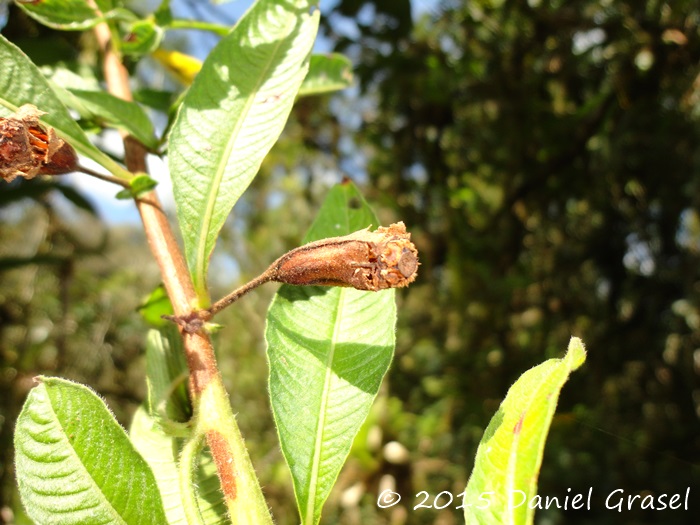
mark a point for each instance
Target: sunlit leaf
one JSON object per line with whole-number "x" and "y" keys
{"x": 232, "y": 115}
{"x": 68, "y": 15}
{"x": 328, "y": 350}
{"x": 76, "y": 465}
{"x": 508, "y": 460}
{"x": 155, "y": 306}
{"x": 327, "y": 73}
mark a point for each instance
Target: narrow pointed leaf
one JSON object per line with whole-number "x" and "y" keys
{"x": 327, "y": 73}
{"x": 118, "y": 113}
{"x": 166, "y": 375}
{"x": 231, "y": 116}
{"x": 75, "y": 15}
{"x": 328, "y": 350}
{"x": 508, "y": 460}
{"x": 21, "y": 83}
{"x": 76, "y": 465}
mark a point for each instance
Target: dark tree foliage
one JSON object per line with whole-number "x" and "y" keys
{"x": 547, "y": 156}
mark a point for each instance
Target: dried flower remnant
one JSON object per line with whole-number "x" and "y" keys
{"x": 28, "y": 149}
{"x": 365, "y": 260}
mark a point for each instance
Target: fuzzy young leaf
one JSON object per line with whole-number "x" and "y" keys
{"x": 231, "y": 116}
{"x": 155, "y": 306}
{"x": 22, "y": 83}
{"x": 144, "y": 36}
{"x": 138, "y": 185}
{"x": 162, "y": 451}
{"x": 76, "y": 465}
{"x": 509, "y": 456}
{"x": 328, "y": 350}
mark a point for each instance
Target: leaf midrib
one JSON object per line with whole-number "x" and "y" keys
{"x": 215, "y": 186}
{"x": 513, "y": 458}
{"x": 73, "y": 452}
{"x": 321, "y": 426}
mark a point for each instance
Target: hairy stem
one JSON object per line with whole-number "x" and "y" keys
{"x": 198, "y": 347}
{"x": 109, "y": 178}
{"x": 238, "y": 293}
{"x": 242, "y": 493}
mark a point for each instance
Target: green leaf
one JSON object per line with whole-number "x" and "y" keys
{"x": 138, "y": 185}
{"x": 508, "y": 460}
{"x": 166, "y": 375}
{"x": 167, "y": 394}
{"x": 68, "y": 15}
{"x": 232, "y": 115}
{"x": 22, "y": 83}
{"x": 155, "y": 99}
{"x": 143, "y": 37}
{"x": 327, "y": 73}
{"x": 155, "y": 306}
{"x": 328, "y": 350}
{"x": 163, "y": 16}
{"x": 75, "y": 464}
{"x": 119, "y": 113}
{"x": 162, "y": 451}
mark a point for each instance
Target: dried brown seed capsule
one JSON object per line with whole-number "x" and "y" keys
{"x": 28, "y": 149}
{"x": 366, "y": 260}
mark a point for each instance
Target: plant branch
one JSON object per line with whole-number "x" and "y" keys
{"x": 109, "y": 178}
{"x": 239, "y": 484}
{"x": 199, "y": 25}
{"x": 238, "y": 293}
{"x": 198, "y": 350}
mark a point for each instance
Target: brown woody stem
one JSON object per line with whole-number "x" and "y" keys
{"x": 239, "y": 484}
{"x": 198, "y": 347}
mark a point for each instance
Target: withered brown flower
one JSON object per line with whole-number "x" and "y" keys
{"x": 28, "y": 148}
{"x": 366, "y": 260}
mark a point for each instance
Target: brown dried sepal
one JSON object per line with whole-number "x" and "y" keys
{"x": 28, "y": 149}
{"x": 366, "y": 260}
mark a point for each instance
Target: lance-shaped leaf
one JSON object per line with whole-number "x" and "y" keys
{"x": 75, "y": 464}
{"x": 232, "y": 115}
{"x": 21, "y": 83}
{"x": 119, "y": 113}
{"x": 508, "y": 460}
{"x": 328, "y": 350}
{"x": 75, "y": 15}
